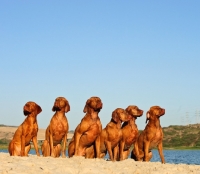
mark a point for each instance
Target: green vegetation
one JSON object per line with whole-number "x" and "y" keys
{"x": 4, "y": 143}
{"x": 182, "y": 137}
{"x": 2, "y": 125}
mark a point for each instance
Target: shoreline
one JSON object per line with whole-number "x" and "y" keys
{"x": 34, "y": 164}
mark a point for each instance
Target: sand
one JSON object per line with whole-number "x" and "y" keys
{"x": 80, "y": 165}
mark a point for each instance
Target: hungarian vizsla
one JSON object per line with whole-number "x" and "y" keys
{"x": 129, "y": 131}
{"x": 112, "y": 134}
{"x": 56, "y": 132}
{"x": 27, "y": 131}
{"x": 152, "y": 136}
{"x": 86, "y": 133}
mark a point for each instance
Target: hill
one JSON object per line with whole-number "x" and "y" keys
{"x": 7, "y": 132}
{"x": 175, "y": 137}
{"x": 182, "y": 136}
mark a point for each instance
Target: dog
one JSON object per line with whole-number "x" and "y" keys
{"x": 129, "y": 131}
{"x": 27, "y": 131}
{"x": 56, "y": 132}
{"x": 86, "y": 133}
{"x": 112, "y": 134}
{"x": 151, "y": 136}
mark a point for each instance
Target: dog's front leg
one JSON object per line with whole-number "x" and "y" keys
{"x": 146, "y": 150}
{"x": 22, "y": 144}
{"x": 64, "y": 146}
{"x": 51, "y": 144}
{"x": 97, "y": 147}
{"x": 108, "y": 147}
{"x": 121, "y": 149}
{"x": 160, "y": 150}
{"x": 136, "y": 151}
{"x": 35, "y": 145}
{"x": 116, "y": 153}
{"x": 76, "y": 143}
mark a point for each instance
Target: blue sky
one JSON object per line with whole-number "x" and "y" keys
{"x": 142, "y": 53}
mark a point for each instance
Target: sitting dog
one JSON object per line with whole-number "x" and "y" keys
{"x": 129, "y": 131}
{"x": 56, "y": 132}
{"x": 112, "y": 134}
{"x": 151, "y": 136}
{"x": 86, "y": 133}
{"x": 27, "y": 131}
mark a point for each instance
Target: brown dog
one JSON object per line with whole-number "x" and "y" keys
{"x": 56, "y": 132}
{"x": 27, "y": 131}
{"x": 112, "y": 134}
{"x": 151, "y": 136}
{"x": 86, "y": 133}
{"x": 129, "y": 131}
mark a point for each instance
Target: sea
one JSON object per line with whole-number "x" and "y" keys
{"x": 171, "y": 156}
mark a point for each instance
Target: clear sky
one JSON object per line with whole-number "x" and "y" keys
{"x": 142, "y": 53}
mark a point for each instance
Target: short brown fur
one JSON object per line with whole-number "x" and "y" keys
{"x": 112, "y": 134}
{"x": 27, "y": 131}
{"x": 56, "y": 132}
{"x": 151, "y": 136}
{"x": 129, "y": 131}
{"x": 87, "y": 132}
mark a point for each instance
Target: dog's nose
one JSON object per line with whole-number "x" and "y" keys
{"x": 163, "y": 111}
{"x": 99, "y": 104}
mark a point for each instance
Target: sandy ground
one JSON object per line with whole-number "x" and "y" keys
{"x": 80, "y": 165}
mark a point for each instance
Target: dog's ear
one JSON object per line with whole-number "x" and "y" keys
{"x": 53, "y": 109}
{"x": 39, "y": 109}
{"x": 115, "y": 116}
{"x": 128, "y": 109}
{"x": 86, "y": 106}
{"x": 67, "y": 107}
{"x": 147, "y": 116}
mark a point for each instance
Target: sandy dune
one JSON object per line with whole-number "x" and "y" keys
{"x": 8, "y": 132}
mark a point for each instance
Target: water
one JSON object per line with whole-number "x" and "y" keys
{"x": 171, "y": 156}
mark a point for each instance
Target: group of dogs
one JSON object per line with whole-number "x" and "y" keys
{"x": 89, "y": 139}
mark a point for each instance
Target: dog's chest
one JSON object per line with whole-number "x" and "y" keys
{"x": 32, "y": 131}
{"x": 157, "y": 138}
{"x": 90, "y": 135}
{"x": 60, "y": 128}
{"x": 93, "y": 130}
{"x": 114, "y": 135}
{"x": 131, "y": 137}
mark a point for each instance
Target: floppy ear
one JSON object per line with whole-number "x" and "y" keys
{"x": 115, "y": 116}
{"x": 86, "y": 106}
{"x": 127, "y": 110}
{"x": 85, "y": 109}
{"x": 67, "y": 107}
{"x": 147, "y": 116}
{"x": 39, "y": 109}
{"x": 53, "y": 109}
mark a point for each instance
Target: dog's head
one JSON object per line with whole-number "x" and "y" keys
{"x": 154, "y": 112}
{"x": 134, "y": 111}
{"x": 120, "y": 115}
{"x": 93, "y": 103}
{"x": 31, "y": 107}
{"x": 61, "y": 104}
